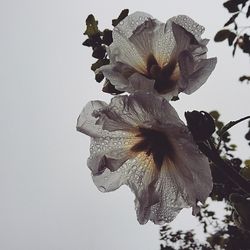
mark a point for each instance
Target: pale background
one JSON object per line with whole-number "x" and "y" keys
{"x": 47, "y": 198}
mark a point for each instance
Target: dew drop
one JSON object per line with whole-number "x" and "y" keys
{"x": 102, "y": 188}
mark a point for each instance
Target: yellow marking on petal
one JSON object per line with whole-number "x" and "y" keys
{"x": 176, "y": 74}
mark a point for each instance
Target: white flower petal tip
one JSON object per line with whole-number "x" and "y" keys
{"x": 140, "y": 141}
{"x": 170, "y": 57}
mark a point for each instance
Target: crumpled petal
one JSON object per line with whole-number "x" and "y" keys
{"x": 139, "y": 37}
{"x": 161, "y": 191}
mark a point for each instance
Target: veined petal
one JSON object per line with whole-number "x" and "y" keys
{"x": 125, "y": 78}
{"x": 117, "y": 74}
{"x": 146, "y": 146}
{"x": 150, "y": 38}
{"x": 126, "y": 112}
{"x": 152, "y": 51}
{"x": 202, "y": 71}
{"x": 188, "y": 24}
{"x": 86, "y": 122}
{"x": 109, "y": 152}
{"x": 122, "y": 50}
{"x": 192, "y": 168}
{"x": 171, "y": 194}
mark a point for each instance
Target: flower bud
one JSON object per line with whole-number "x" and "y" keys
{"x": 201, "y": 125}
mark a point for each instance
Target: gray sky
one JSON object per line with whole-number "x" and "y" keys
{"x": 48, "y": 200}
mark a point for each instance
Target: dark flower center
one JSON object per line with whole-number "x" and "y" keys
{"x": 164, "y": 77}
{"x": 156, "y": 143}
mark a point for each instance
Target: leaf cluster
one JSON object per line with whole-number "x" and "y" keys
{"x": 232, "y": 232}
{"x": 98, "y": 41}
{"x": 236, "y": 35}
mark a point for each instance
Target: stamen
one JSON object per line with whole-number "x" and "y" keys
{"x": 165, "y": 78}
{"x": 156, "y": 143}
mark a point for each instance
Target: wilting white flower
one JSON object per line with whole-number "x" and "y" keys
{"x": 140, "y": 141}
{"x": 165, "y": 58}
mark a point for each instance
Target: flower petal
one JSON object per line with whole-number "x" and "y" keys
{"x": 126, "y": 112}
{"x": 203, "y": 70}
{"x": 124, "y": 78}
{"x": 122, "y": 50}
{"x": 86, "y": 122}
{"x": 117, "y": 74}
{"x": 139, "y": 38}
{"x": 151, "y": 38}
{"x": 192, "y": 169}
{"x": 188, "y": 24}
{"x": 109, "y": 152}
{"x": 165, "y": 175}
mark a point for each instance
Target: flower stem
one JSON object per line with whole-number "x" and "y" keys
{"x": 226, "y": 168}
{"x": 231, "y": 124}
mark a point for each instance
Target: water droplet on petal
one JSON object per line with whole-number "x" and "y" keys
{"x": 102, "y": 189}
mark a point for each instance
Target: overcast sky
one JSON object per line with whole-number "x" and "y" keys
{"x": 48, "y": 199}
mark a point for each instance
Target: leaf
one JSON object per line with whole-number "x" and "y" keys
{"x": 99, "y": 77}
{"x": 244, "y": 78}
{"x": 222, "y": 35}
{"x": 99, "y": 52}
{"x": 99, "y": 63}
{"x": 231, "y": 38}
{"x": 215, "y": 114}
{"x": 219, "y": 124}
{"x": 107, "y": 37}
{"x": 92, "y": 27}
{"x": 247, "y": 135}
{"x": 109, "y": 88}
{"x": 233, "y": 147}
{"x": 235, "y": 47}
{"x": 248, "y": 12}
{"x": 232, "y": 6}
{"x": 122, "y": 15}
{"x": 246, "y": 44}
{"x": 87, "y": 43}
{"x": 175, "y": 98}
{"x": 235, "y": 26}
{"x": 231, "y": 20}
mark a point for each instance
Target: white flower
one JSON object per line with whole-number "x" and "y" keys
{"x": 140, "y": 141}
{"x": 165, "y": 58}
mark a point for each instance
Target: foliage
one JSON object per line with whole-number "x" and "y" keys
{"x": 237, "y": 36}
{"x": 230, "y": 175}
{"x": 97, "y": 40}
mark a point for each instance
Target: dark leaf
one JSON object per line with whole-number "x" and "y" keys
{"x": 99, "y": 52}
{"x": 219, "y": 124}
{"x": 109, "y": 88}
{"x": 225, "y": 137}
{"x": 99, "y": 77}
{"x": 93, "y": 41}
{"x": 175, "y": 98}
{"x": 222, "y": 35}
{"x": 99, "y": 63}
{"x": 92, "y": 27}
{"x": 231, "y": 20}
{"x": 122, "y": 15}
{"x": 215, "y": 114}
{"x": 87, "y": 43}
{"x": 235, "y": 26}
{"x": 232, "y": 6}
{"x": 247, "y": 135}
{"x": 107, "y": 37}
{"x": 235, "y": 47}
{"x": 231, "y": 38}
{"x": 246, "y": 44}
{"x": 244, "y": 78}
{"x": 201, "y": 124}
{"x": 248, "y": 12}
{"x": 236, "y": 162}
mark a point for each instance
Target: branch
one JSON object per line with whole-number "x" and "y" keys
{"x": 226, "y": 168}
